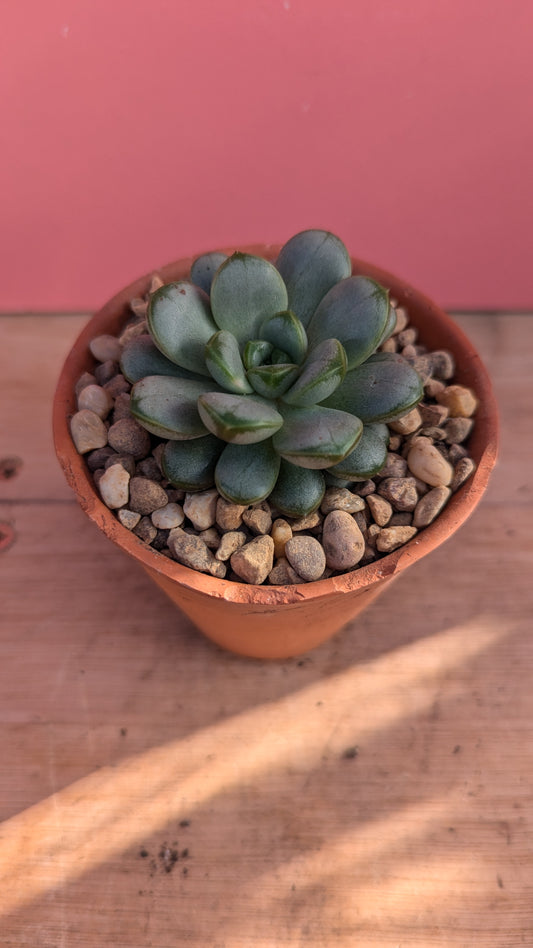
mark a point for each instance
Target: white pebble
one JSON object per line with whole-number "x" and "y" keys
{"x": 165, "y": 518}
{"x": 201, "y": 508}
{"x": 114, "y": 486}
{"x": 96, "y": 399}
{"x": 88, "y": 431}
{"x": 427, "y": 463}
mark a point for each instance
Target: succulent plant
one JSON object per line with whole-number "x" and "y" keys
{"x": 265, "y": 379}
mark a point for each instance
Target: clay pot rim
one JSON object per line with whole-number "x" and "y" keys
{"x": 483, "y": 445}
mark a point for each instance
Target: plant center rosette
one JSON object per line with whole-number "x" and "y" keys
{"x": 266, "y": 380}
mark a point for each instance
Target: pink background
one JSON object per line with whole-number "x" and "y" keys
{"x": 136, "y": 131}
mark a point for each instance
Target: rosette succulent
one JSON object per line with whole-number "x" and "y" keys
{"x": 266, "y": 380}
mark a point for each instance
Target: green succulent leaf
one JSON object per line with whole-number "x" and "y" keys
{"x": 390, "y": 325}
{"x": 204, "y": 268}
{"x": 311, "y": 263}
{"x": 241, "y": 419}
{"x": 383, "y": 388}
{"x": 167, "y": 406}
{"x": 316, "y": 437}
{"x": 285, "y": 331}
{"x": 256, "y": 352}
{"x": 368, "y": 456}
{"x": 271, "y": 381}
{"x": 355, "y": 312}
{"x": 141, "y": 357}
{"x": 245, "y": 290}
{"x": 321, "y": 373}
{"x": 190, "y": 465}
{"x": 180, "y": 322}
{"x": 224, "y": 362}
{"x": 246, "y": 473}
{"x": 279, "y": 357}
{"x": 298, "y": 490}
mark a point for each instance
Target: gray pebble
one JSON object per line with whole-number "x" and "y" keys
{"x": 146, "y": 496}
{"x": 430, "y": 505}
{"x": 86, "y": 379}
{"x": 128, "y": 518}
{"x": 105, "y": 371}
{"x": 254, "y": 561}
{"x": 283, "y": 574}
{"x": 125, "y": 460}
{"x": 118, "y": 385}
{"x": 128, "y": 437}
{"x": 88, "y": 431}
{"x": 99, "y": 457}
{"x": 400, "y": 492}
{"x": 145, "y": 530}
{"x": 458, "y": 429}
{"x": 342, "y": 540}
{"x": 105, "y": 348}
{"x": 306, "y": 555}
{"x": 340, "y": 498}
{"x": 464, "y": 468}
{"x": 443, "y": 364}
{"x": 121, "y": 407}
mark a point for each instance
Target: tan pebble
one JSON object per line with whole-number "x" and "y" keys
{"x": 464, "y": 468}
{"x": 105, "y": 348}
{"x": 118, "y": 385}
{"x": 254, "y": 561}
{"x": 146, "y": 496}
{"x": 390, "y": 345}
{"x": 88, "y": 431}
{"x": 282, "y": 574}
{"x": 443, "y": 364}
{"x": 306, "y": 555}
{"x": 400, "y": 492}
{"x": 395, "y": 466}
{"x": 342, "y": 540}
{"x": 211, "y": 538}
{"x": 190, "y": 551}
{"x": 340, "y": 498}
{"x": 168, "y": 517}
{"x": 128, "y": 518}
{"x": 433, "y": 433}
{"x": 433, "y": 386}
{"x": 430, "y": 505}
{"x": 460, "y": 401}
{"x": 306, "y": 523}
{"x": 371, "y": 534}
{"x": 433, "y": 415}
{"x": 156, "y": 282}
{"x": 393, "y": 537}
{"x": 228, "y": 515}
{"x": 407, "y": 423}
{"x": 127, "y": 436}
{"x": 280, "y": 533}
{"x": 427, "y": 463}
{"x": 402, "y": 319}
{"x": 407, "y": 336}
{"x": 380, "y": 509}
{"x": 201, "y": 508}
{"x": 139, "y": 306}
{"x": 114, "y": 486}
{"x": 85, "y": 379}
{"x": 258, "y": 518}
{"x": 229, "y": 542}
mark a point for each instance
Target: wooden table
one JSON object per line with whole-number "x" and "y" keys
{"x": 158, "y": 792}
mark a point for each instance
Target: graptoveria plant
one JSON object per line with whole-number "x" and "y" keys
{"x": 261, "y": 378}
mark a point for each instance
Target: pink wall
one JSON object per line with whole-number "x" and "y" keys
{"x": 136, "y": 131}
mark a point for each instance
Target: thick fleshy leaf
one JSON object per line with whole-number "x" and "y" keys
{"x": 322, "y": 372}
{"x": 298, "y": 490}
{"x": 271, "y": 381}
{"x": 180, "y": 321}
{"x": 316, "y": 437}
{"x": 241, "y": 419}
{"x": 390, "y": 325}
{"x": 167, "y": 407}
{"x": 279, "y": 357}
{"x": 286, "y": 332}
{"x": 383, "y": 388}
{"x": 246, "y": 473}
{"x": 141, "y": 357}
{"x": 190, "y": 465}
{"x": 356, "y": 313}
{"x": 256, "y": 352}
{"x": 223, "y": 359}
{"x": 368, "y": 456}
{"x": 311, "y": 263}
{"x": 245, "y": 290}
{"x": 204, "y": 268}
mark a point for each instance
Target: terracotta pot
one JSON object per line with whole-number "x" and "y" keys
{"x": 269, "y": 621}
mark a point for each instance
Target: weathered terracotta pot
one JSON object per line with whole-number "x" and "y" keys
{"x": 268, "y": 621}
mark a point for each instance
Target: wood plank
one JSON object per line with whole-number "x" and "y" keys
{"x": 376, "y": 792}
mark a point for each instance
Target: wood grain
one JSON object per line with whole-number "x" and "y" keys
{"x": 155, "y": 791}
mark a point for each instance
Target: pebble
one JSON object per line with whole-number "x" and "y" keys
{"x": 306, "y": 555}
{"x": 98, "y": 457}
{"x": 283, "y": 574}
{"x": 228, "y": 516}
{"x": 395, "y": 466}
{"x": 146, "y": 496}
{"x": 402, "y": 319}
{"x": 114, "y": 486}
{"x": 128, "y": 518}
{"x": 88, "y": 431}
{"x": 190, "y": 550}
{"x": 96, "y": 399}
{"x": 128, "y": 437}
{"x": 254, "y": 561}
{"x": 443, "y": 364}
{"x": 427, "y": 463}
{"x": 121, "y": 408}
{"x": 86, "y": 379}
{"x": 309, "y": 522}
{"x": 229, "y": 543}
{"x": 364, "y": 488}
{"x": 372, "y": 534}
{"x": 118, "y": 385}
{"x": 145, "y": 530}
{"x": 258, "y": 518}
{"x": 433, "y": 415}
{"x": 463, "y": 469}
{"x": 407, "y": 423}
{"x": 460, "y": 401}
{"x": 401, "y": 519}
{"x": 380, "y": 508}
{"x": 391, "y": 538}
{"x": 457, "y": 429}
{"x": 340, "y": 498}
{"x": 149, "y": 467}
{"x": 400, "y": 492}
{"x": 211, "y": 537}
{"x": 201, "y": 508}
{"x": 456, "y": 452}
{"x": 106, "y": 348}
{"x": 281, "y": 532}
{"x": 125, "y": 459}
{"x": 165, "y": 518}
{"x": 433, "y": 386}
{"x": 105, "y": 371}
{"x": 342, "y": 540}
{"x": 430, "y": 505}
